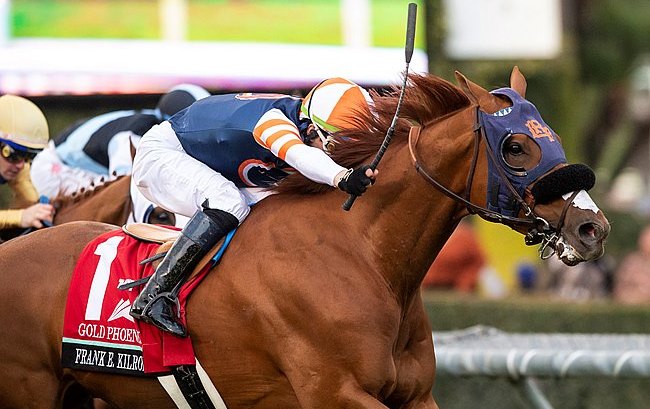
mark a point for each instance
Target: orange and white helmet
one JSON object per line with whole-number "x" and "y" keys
{"x": 22, "y": 123}
{"x": 333, "y": 104}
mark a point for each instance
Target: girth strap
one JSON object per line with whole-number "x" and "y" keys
{"x": 191, "y": 386}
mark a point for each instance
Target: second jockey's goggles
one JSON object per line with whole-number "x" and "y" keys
{"x": 15, "y": 153}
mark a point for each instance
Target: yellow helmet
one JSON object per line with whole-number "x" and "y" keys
{"x": 22, "y": 123}
{"x": 333, "y": 104}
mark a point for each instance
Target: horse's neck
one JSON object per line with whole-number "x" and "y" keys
{"x": 109, "y": 204}
{"x": 393, "y": 232}
{"x": 411, "y": 220}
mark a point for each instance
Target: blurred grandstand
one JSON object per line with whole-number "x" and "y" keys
{"x": 62, "y": 66}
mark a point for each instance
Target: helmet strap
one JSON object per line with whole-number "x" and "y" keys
{"x": 326, "y": 139}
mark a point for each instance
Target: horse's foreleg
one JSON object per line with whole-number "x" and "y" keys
{"x": 349, "y": 396}
{"x": 352, "y": 396}
{"x": 338, "y": 377}
{"x": 24, "y": 388}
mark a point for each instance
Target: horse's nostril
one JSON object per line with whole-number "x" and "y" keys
{"x": 591, "y": 232}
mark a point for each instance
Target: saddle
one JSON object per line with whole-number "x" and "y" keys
{"x": 151, "y": 232}
{"x": 166, "y": 237}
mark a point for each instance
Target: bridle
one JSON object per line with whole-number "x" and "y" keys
{"x": 539, "y": 230}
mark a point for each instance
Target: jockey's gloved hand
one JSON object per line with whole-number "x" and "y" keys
{"x": 356, "y": 181}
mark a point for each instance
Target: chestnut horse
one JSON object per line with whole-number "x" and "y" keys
{"x": 312, "y": 307}
{"x": 108, "y": 202}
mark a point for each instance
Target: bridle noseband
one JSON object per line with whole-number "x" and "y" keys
{"x": 539, "y": 230}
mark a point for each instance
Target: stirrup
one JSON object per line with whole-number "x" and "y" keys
{"x": 164, "y": 319}
{"x": 168, "y": 295}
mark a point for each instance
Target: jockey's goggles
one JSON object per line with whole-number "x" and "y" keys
{"x": 15, "y": 153}
{"x": 325, "y": 137}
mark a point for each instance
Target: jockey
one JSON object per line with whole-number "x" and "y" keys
{"x": 101, "y": 146}
{"x": 23, "y": 134}
{"x": 199, "y": 162}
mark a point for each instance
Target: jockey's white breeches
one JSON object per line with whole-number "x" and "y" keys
{"x": 168, "y": 176}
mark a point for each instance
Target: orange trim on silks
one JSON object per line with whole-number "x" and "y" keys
{"x": 241, "y": 170}
{"x": 264, "y": 126}
{"x": 271, "y": 139}
{"x": 282, "y": 153}
{"x": 270, "y": 123}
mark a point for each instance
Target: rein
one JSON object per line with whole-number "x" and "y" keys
{"x": 539, "y": 229}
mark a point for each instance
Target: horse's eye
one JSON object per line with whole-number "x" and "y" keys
{"x": 514, "y": 148}
{"x": 514, "y": 154}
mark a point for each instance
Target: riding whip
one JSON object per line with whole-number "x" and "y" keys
{"x": 408, "y": 48}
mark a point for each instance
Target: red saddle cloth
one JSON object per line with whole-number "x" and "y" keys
{"x": 98, "y": 333}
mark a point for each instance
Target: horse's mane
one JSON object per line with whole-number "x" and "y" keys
{"x": 94, "y": 187}
{"x": 426, "y": 98}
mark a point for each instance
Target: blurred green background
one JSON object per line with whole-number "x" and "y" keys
{"x": 293, "y": 21}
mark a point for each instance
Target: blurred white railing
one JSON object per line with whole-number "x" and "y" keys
{"x": 486, "y": 351}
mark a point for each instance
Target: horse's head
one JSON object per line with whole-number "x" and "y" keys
{"x": 516, "y": 174}
{"x": 528, "y": 183}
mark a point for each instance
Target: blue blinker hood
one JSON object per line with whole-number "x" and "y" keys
{"x": 521, "y": 118}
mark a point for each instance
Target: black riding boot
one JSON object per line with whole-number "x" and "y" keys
{"x": 157, "y": 302}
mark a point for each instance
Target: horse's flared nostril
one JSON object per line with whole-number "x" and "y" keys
{"x": 592, "y": 232}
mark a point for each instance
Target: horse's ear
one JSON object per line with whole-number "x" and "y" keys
{"x": 464, "y": 84}
{"x": 518, "y": 81}
{"x": 475, "y": 93}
